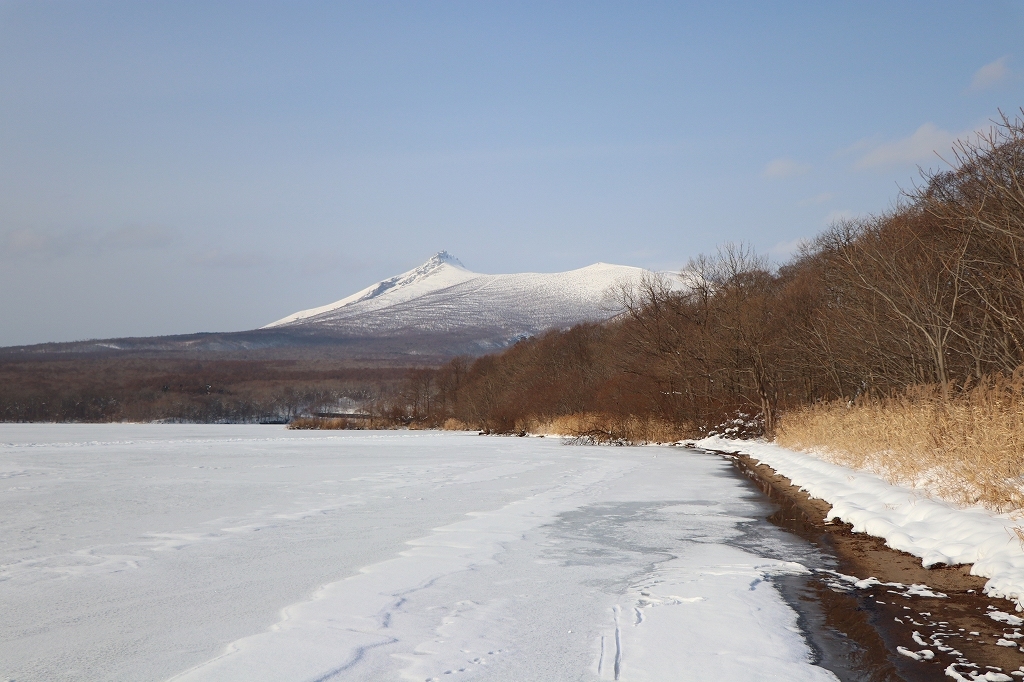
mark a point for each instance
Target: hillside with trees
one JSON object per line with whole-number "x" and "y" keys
{"x": 180, "y": 387}
{"x": 913, "y": 318}
{"x": 924, "y": 302}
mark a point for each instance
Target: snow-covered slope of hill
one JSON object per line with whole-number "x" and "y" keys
{"x": 443, "y": 296}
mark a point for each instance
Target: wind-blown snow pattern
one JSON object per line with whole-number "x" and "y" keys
{"x": 907, "y": 519}
{"x": 443, "y": 296}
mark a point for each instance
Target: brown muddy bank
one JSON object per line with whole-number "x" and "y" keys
{"x": 858, "y": 630}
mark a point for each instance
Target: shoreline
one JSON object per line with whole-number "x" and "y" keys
{"x": 880, "y": 619}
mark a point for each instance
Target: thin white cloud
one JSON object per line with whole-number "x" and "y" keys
{"x": 816, "y": 199}
{"x": 328, "y": 261}
{"x": 837, "y": 215}
{"x": 859, "y": 146}
{"x": 42, "y": 243}
{"x": 784, "y": 168}
{"x": 231, "y": 260}
{"x": 136, "y": 237}
{"x": 919, "y": 147}
{"x": 27, "y": 241}
{"x": 990, "y": 75}
{"x": 787, "y": 249}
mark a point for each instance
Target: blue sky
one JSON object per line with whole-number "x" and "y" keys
{"x": 177, "y": 167}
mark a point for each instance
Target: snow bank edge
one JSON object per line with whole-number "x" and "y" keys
{"x": 906, "y": 518}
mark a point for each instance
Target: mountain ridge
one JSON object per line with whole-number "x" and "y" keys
{"x": 440, "y": 263}
{"x": 438, "y": 309}
{"x": 442, "y": 295}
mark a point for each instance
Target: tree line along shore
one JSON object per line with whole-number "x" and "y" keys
{"x": 893, "y": 342}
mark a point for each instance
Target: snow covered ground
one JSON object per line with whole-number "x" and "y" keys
{"x": 149, "y": 552}
{"x": 908, "y": 519}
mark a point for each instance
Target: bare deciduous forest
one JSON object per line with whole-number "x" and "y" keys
{"x": 90, "y": 388}
{"x": 930, "y": 293}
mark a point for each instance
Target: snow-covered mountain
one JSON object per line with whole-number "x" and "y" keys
{"x": 442, "y": 296}
{"x": 432, "y": 312}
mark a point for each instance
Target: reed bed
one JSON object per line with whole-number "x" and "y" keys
{"x": 967, "y": 448}
{"x": 593, "y": 427}
{"x": 320, "y": 424}
{"x": 342, "y": 423}
{"x": 603, "y": 428}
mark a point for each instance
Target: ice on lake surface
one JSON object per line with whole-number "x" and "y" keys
{"x": 155, "y": 552}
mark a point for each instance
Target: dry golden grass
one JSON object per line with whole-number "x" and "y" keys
{"x": 600, "y": 428}
{"x": 320, "y": 424}
{"x": 340, "y": 423}
{"x": 967, "y": 448}
{"x": 594, "y": 427}
{"x": 606, "y": 428}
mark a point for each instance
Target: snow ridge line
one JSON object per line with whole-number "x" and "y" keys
{"x": 906, "y": 518}
{"x": 618, "y": 643}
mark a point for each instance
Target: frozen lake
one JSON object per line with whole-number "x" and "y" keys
{"x": 155, "y": 552}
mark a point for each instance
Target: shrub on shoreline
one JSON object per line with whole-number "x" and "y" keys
{"x": 967, "y": 448}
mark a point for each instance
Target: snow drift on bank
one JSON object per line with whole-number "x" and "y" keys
{"x": 907, "y": 519}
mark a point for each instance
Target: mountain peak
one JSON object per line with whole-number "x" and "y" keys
{"x": 439, "y": 271}
{"x": 442, "y": 258}
{"x": 441, "y": 296}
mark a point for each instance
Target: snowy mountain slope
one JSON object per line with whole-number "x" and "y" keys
{"x": 442, "y": 296}
{"x": 437, "y": 310}
{"x": 441, "y": 271}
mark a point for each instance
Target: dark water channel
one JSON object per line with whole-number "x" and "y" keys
{"x": 856, "y": 632}
{"x": 837, "y": 621}
{"x": 868, "y": 613}
{"x": 837, "y": 625}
